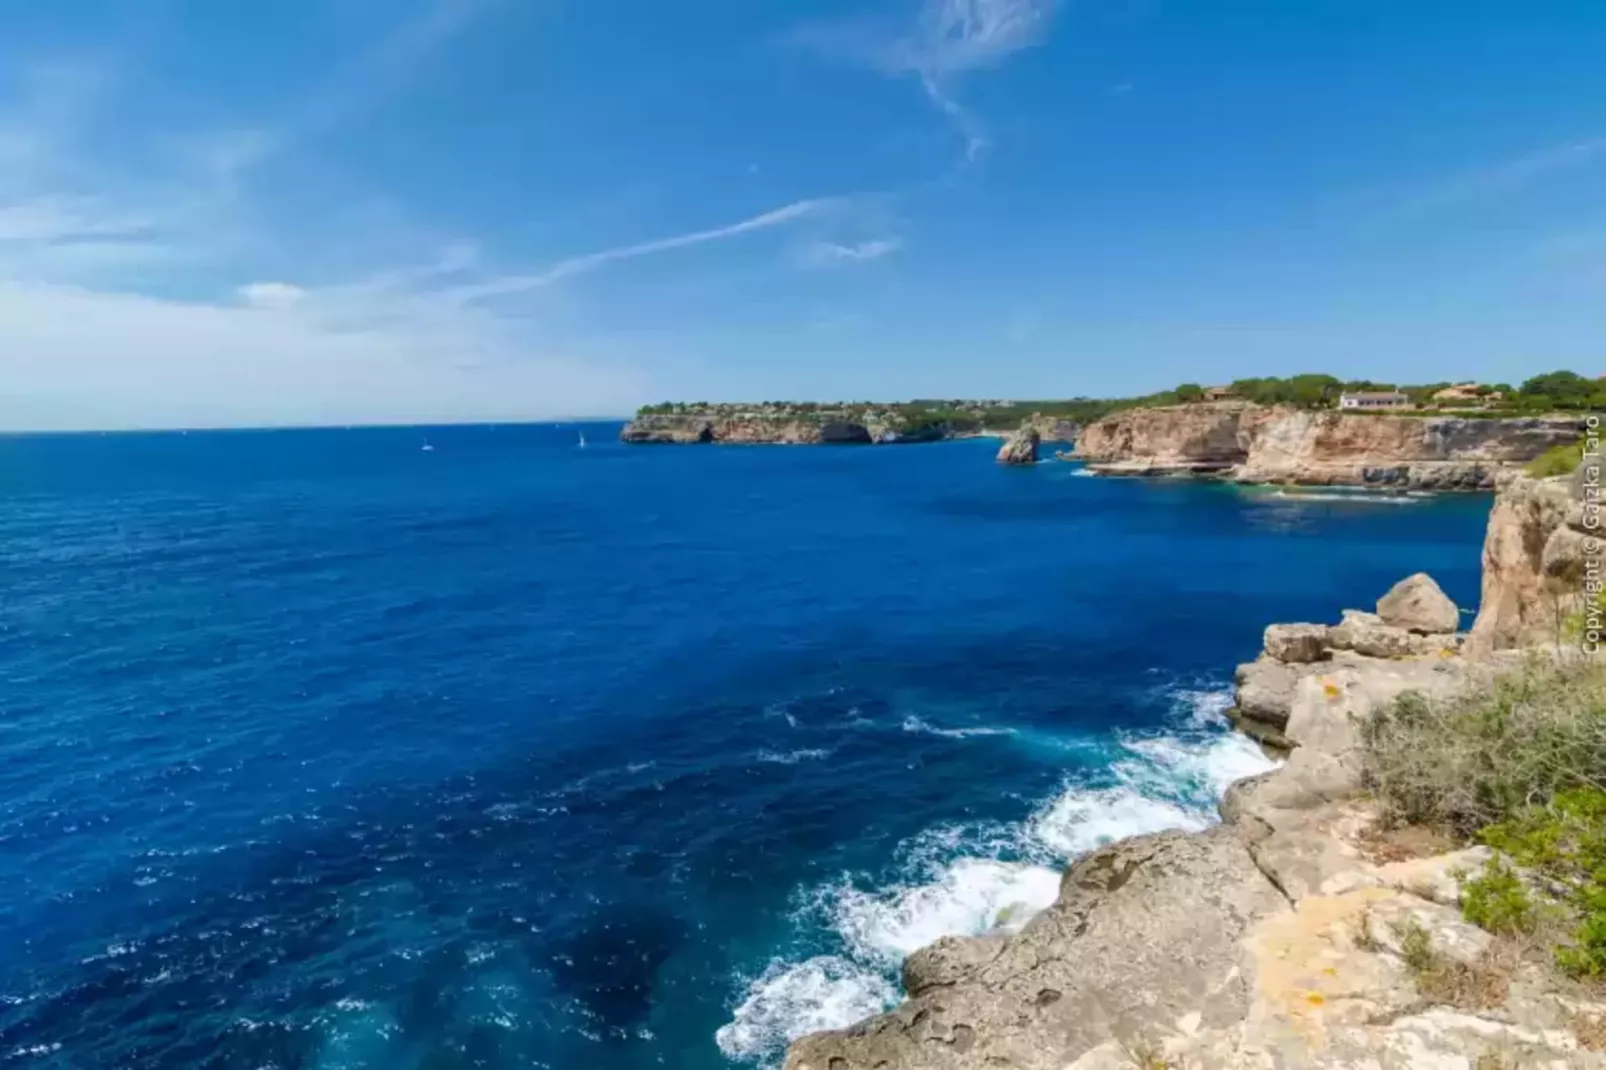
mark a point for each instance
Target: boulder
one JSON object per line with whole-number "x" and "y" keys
{"x": 1418, "y": 605}
{"x": 1297, "y": 642}
{"x": 1020, "y": 447}
{"x": 1368, "y": 634}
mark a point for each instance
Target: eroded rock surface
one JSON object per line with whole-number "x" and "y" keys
{"x": 1533, "y": 554}
{"x": 1276, "y": 444}
{"x": 1146, "y": 937}
{"x": 1298, "y": 642}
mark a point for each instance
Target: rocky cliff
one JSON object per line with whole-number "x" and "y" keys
{"x": 1535, "y": 558}
{"x": 1276, "y": 940}
{"x": 1259, "y": 444}
{"x": 783, "y": 425}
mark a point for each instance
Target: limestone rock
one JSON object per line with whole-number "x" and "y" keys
{"x": 1144, "y": 939}
{"x": 948, "y": 961}
{"x": 1264, "y": 689}
{"x": 668, "y": 430}
{"x": 1528, "y": 585}
{"x": 1200, "y": 437}
{"x": 1021, "y": 447}
{"x": 1368, "y": 634}
{"x": 1297, "y": 642}
{"x": 1417, "y": 604}
{"x": 1277, "y": 444}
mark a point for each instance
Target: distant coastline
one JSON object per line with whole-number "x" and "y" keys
{"x": 856, "y": 423}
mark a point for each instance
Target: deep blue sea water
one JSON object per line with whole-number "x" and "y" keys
{"x": 321, "y": 750}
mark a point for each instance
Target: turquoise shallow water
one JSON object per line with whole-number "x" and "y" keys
{"x": 318, "y": 749}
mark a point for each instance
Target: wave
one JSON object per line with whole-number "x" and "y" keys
{"x": 789, "y": 1000}
{"x": 967, "y": 880}
{"x": 1204, "y": 707}
{"x": 792, "y": 757}
{"x": 915, "y": 724}
{"x": 1365, "y": 497}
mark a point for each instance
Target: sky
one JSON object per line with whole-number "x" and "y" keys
{"x": 354, "y": 211}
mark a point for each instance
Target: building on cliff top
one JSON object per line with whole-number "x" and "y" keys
{"x": 1374, "y": 399}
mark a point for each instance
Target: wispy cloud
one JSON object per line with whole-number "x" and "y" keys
{"x": 349, "y": 93}
{"x": 138, "y": 288}
{"x": 580, "y": 265}
{"x": 821, "y": 253}
{"x": 948, "y": 40}
{"x": 1509, "y": 175}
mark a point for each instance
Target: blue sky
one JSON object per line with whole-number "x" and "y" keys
{"x": 392, "y": 210}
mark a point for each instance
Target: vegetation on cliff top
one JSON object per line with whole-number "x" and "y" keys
{"x": 1561, "y": 390}
{"x": 1520, "y": 766}
{"x": 1557, "y": 461}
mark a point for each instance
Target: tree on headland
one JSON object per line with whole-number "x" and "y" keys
{"x": 1558, "y": 390}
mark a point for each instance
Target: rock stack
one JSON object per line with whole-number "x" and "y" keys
{"x": 1415, "y": 619}
{"x": 1020, "y": 447}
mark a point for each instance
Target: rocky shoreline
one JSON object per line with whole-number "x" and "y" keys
{"x": 1273, "y": 940}
{"x": 1243, "y": 443}
{"x": 767, "y": 425}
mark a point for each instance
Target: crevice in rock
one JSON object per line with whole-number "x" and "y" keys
{"x": 1271, "y": 877}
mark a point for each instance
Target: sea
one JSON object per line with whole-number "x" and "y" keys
{"x": 474, "y": 747}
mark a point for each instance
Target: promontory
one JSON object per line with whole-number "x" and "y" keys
{"x": 1247, "y": 443}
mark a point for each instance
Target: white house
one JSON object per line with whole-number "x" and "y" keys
{"x": 1374, "y": 399}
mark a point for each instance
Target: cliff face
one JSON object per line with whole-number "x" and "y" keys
{"x": 1258, "y": 444}
{"x": 1533, "y": 563}
{"x": 1175, "y": 438}
{"x": 696, "y": 428}
{"x": 866, "y": 424}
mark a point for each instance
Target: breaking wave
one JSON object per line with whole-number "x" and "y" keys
{"x": 973, "y": 879}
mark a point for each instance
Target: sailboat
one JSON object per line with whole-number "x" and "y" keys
{"x": 426, "y": 447}
{"x": 582, "y": 440}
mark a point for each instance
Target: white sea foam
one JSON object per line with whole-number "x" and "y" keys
{"x": 1082, "y": 819}
{"x": 1356, "y": 496}
{"x": 792, "y": 757}
{"x": 915, "y": 724}
{"x": 1203, "y": 707}
{"x": 791, "y": 999}
{"x": 971, "y": 879}
{"x": 968, "y": 896}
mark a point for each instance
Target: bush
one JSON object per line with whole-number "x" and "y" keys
{"x": 1564, "y": 840}
{"x": 1557, "y": 461}
{"x": 1519, "y": 765}
{"x": 1478, "y": 758}
{"x": 1498, "y": 901}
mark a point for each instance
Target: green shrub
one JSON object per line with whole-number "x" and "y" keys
{"x": 1565, "y": 841}
{"x": 1498, "y": 901}
{"x": 1520, "y": 764}
{"x": 1478, "y": 758}
{"x": 1557, "y": 461}
{"x": 1416, "y": 948}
